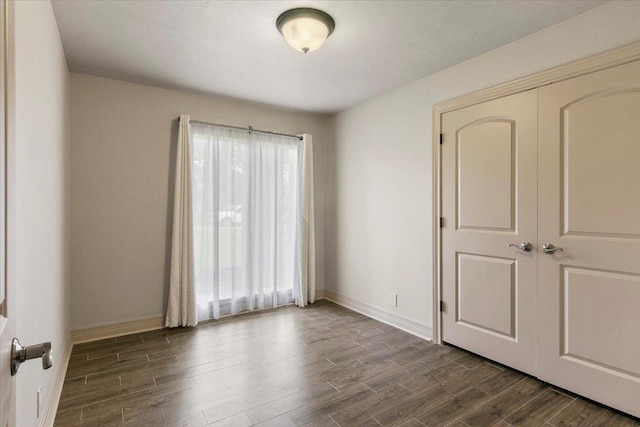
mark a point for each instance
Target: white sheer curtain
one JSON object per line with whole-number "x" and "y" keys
{"x": 252, "y": 207}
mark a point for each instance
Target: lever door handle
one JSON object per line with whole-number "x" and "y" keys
{"x": 549, "y": 249}
{"x": 20, "y": 354}
{"x": 525, "y": 246}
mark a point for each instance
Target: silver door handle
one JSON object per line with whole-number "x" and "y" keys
{"x": 525, "y": 246}
{"x": 548, "y": 248}
{"x": 20, "y": 354}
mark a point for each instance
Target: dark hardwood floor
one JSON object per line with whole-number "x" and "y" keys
{"x": 319, "y": 366}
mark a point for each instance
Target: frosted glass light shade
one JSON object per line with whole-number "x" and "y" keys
{"x": 305, "y": 29}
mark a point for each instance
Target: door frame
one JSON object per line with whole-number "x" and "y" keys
{"x": 609, "y": 59}
{"x": 8, "y": 307}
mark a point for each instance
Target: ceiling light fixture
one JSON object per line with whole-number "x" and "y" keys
{"x": 305, "y": 29}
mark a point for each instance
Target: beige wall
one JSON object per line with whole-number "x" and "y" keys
{"x": 122, "y": 154}
{"x": 42, "y": 197}
{"x": 379, "y": 210}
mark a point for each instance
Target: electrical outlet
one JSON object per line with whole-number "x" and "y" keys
{"x": 393, "y": 299}
{"x": 39, "y": 401}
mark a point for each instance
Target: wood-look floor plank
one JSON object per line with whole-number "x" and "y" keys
{"x": 317, "y": 412}
{"x": 578, "y": 413}
{"x": 95, "y": 395}
{"x": 84, "y": 348}
{"x": 470, "y": 377}
{"x": 611, "y": 418}
{"x": 540, "y": 410}
{"x": 238, "y": 420}
{"x": 112, "y": 367}
{"x": 390, "y": 374}
{"x": 322, "y": 366}
{"x": 194, "y": 419}
{"x": 275, "y": 408}
{"x": 505, "y": 403}
{"x": 439, "y": 355}
{"x": 500, "y": 382}
{"x": 441, "y": 375}
{"x": 281, "y": 421}
{"x": 451, "y": 409}
{"x": 223, "y": 408}
{"x": 108, "y": 417}
{"x": 412, "y": 423}
{"x": 469, "y": 360}
{"x": 411, "y": 406}
{"x": 68, "y": 417}
{"x": 359, "y": 413}
{"x": 147, "y": 418}
{"x": 132, "y": 399}
{"x": 197, "y": 398}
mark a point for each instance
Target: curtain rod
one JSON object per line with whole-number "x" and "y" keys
{"x": 249, "y": 129}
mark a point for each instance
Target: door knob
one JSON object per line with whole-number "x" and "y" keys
{"x": 525, "y": 246}
{"x": 548, "y": 248}
{"x": 20, "y": 354}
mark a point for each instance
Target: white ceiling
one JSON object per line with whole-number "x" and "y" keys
{"x": 232, "y": 48}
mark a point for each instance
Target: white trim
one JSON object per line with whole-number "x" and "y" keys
{"x": 612, "y": 58}
{"x": 111, "y": 330}
{"x": 591, "y": 64}
{"x": 383, "y": 316}
{"x": 437, "y": 231}
{"x": 51, "y": 407}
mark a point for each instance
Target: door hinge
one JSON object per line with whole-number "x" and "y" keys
{"x": 441, "y": 305}
{"x": 441, "y": 222}
{"x": 441, "y": 138}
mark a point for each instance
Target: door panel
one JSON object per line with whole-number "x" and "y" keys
{"x": 584, "y": 290}
{"x": 489, "y": 202}
{"x": 492, "y": 281}
{"x": 485, "y": 160}
{"x": 589, "y": 205}
{"x": 598, "y": 166}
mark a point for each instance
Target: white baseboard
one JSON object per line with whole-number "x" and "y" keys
{"x": 51, "y": 407}
{"x": 111, "y": 330}
{"x": 383, "y": 316}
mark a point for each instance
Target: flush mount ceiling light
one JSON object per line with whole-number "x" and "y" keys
{"x": 305, "y": 29}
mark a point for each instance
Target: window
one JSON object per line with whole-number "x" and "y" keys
{"x": 245, "y": 215}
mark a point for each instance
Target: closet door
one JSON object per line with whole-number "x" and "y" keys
{"x": 489, "y": 208}
{"x": 589, "y": 205}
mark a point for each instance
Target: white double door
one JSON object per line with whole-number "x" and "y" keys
{"x": 560, "y": 166}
